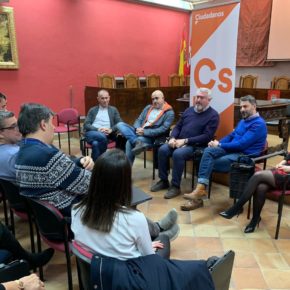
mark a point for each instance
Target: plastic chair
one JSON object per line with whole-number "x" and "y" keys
{"x": 53, "y": 229}
{"x": 17, "y": 206}
{"x": 66, "y": 121}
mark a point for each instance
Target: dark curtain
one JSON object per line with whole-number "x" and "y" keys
{"x": 253, "y": 35}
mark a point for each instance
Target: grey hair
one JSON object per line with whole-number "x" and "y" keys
{"x": 3, "y": 116}
{"x": 30, "y": 117}
{"x": 249, "y": 98}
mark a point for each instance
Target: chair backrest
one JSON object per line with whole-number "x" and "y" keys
{"x": 152, "y": 81}
{"x": 174, "y": 80}
{"x": 248, "y": 81}
{"x": 107, "y": 81}
{"x": 131, "y": 81}
{"x": 68, "y": 116}
{"x": 11, "y": 192}
{"x": 50, "y": 222}
{"x": 281, "y": 83}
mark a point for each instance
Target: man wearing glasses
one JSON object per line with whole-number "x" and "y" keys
{"x": 154, "y": 122}
{"x": 3, "y": 102}
{"x": 9, "y": 138}
{"x": 195, "y": 129}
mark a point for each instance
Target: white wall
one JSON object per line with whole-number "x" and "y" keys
{"x": 265, "y": 74}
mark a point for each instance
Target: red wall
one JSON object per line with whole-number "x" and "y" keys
{"x": 63, "y": 43}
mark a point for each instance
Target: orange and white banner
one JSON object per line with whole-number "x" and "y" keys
{"x": 213, "y": 58}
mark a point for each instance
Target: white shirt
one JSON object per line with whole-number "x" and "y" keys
{"x": 128, "y": 238}
{"x": 102, "y": 119}
{"x": 152, "y": 117}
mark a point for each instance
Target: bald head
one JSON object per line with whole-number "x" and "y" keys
{"x": 157, "y": 99}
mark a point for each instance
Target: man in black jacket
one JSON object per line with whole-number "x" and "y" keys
{"x": 100, "y": 124}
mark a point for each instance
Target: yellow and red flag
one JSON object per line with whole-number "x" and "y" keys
{"x": 184, "y": 68}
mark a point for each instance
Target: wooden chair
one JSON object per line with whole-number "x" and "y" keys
{"x": 248, "y": 81}
{"x": 107, "y": 81}
{"x": 281, "y": 83}
{"x": 152, "y": 81}
{"x": 131, "y": 81}
{"x": 174, "y": 80}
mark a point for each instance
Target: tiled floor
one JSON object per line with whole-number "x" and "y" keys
{"x": 261, "y": 261}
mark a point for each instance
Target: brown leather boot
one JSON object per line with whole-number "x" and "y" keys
{"x": 198, "y": 193}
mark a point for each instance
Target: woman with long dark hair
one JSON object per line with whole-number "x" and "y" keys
{"x": 104, "y": 220}
{"x": 258, "y": 186}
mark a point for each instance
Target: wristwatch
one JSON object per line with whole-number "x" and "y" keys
{"x": 20, "y": 284}
{"x": 185, "y": 141}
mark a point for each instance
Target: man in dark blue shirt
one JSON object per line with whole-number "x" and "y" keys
{"x": 195, "y": 129}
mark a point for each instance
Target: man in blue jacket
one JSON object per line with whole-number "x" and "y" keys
{"x": 154, "y": 122}
{"x": 249, "y": 138}
{"x": 195, "y": 129}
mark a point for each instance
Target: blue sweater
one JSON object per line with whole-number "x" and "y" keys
{"x": 249, "y": 137}
{"x": 198, "y": 128}
{"x": 46, "y": 173}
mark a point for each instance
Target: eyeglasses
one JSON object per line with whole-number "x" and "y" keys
{"x": 155, "y": 98}
{"x": 12, "y": 127}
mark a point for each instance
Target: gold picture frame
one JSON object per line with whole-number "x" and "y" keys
{"x": 8, "y": 46}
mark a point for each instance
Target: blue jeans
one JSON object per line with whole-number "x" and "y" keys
{"x": 179, "y": 156}
{"x": 129, "y": 133}
{"x": 99, "y": 142}
{"x": 215, "y": 159}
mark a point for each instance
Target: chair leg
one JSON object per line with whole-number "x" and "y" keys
{"x": 192, "y": 174}
{"x": 68, "y": 138}
{"x": 184, "y": 169}
{"x": 81, "y": 284}
{"x": 5, "y": 209}
{"x": 144, "y": 157}
{"x": 59, "y": 144}
{"x": 38, "y": 241}
{"x": 280, "y": 209}
{"x": 209, "y": 187}
{"x": 68, "y": 264}
{"x": 12, "y": 224}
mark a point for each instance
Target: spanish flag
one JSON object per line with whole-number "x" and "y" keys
{"x": 183, "y": 69}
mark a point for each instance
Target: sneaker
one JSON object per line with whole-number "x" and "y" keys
{"x": 169, "y": 220}
{"x": 139, "y": 147}
{"x": 172, "y": 192}
{"x": 161, "y": 184}
{"x": 192, "y": 205}
{"x": 172, "y": 233}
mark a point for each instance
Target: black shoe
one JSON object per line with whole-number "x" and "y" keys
{"x": 231, "y": 212}
{"x": 250, "y": 228}
{"x": 39, "y": 259}
{"x": 161, "y": 184}
{"x": 139, "y": 147}
{"x": 172, "y": 192}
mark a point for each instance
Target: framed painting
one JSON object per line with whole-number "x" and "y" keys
{"x": 8, "y": 46}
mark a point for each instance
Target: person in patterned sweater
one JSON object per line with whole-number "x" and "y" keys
{"x": 43, "y": 171}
